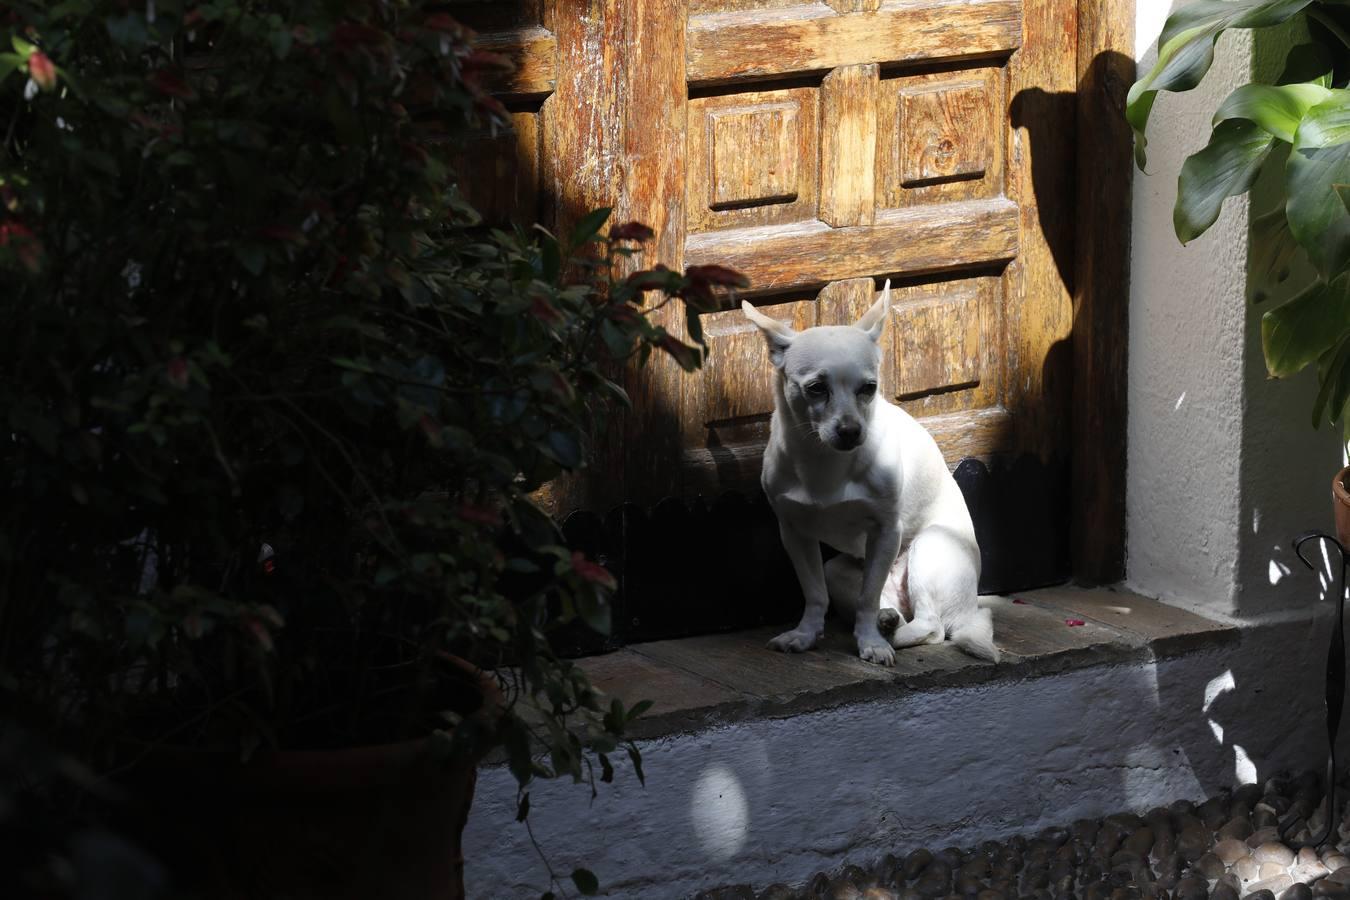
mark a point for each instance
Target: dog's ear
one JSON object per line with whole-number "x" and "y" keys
{"x": 778, "y": 334}
{"x": 874, "y": 320}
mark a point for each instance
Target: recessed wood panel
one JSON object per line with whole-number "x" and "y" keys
{"x": 752, "y": 159}
{"x": 754, "y": 151}
{"x": 940, "y": 137}
{"x": 812, "y": 37}
{"x": 499, "y": 175}
{"x": 938, "y": 342}
{"x": 737, "y": 378}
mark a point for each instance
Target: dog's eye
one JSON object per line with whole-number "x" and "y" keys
{"x": 868, "y": 389}
{"x": 817, "y": 389}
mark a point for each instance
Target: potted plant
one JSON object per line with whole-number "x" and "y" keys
{"x": 1298, "y": 130}
{"x": 274, "y": 405}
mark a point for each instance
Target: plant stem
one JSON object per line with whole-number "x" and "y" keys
{"x": 1329, "y": 24}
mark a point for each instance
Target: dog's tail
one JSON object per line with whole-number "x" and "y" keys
{"x": 976, "y": 636}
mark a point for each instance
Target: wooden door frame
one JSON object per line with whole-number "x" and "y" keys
{"x": 1105, "y": 69}
{"x": 1101, "y": 290}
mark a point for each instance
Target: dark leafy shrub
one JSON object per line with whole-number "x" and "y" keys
{"x": 272, "y": 403}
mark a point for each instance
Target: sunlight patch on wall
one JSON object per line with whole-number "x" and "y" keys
{"x": 1243, "y": 767}
{"x": 719, "y": 813}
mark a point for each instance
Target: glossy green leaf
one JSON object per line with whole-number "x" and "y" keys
{"x": 1333, "y": 373}
{"x": 1227, "y": 166}
{"x": 1319, "y": 161}
{"x": 1310, "y": 63}
{"x": 1278, "y": 109}
{"x": 1296, "y": 333}
{"x": 1186, "y": 51}
{"x": 589, "y": 226}
{"x": 1272, "y": 254}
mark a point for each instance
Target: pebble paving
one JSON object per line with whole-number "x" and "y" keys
{"x": 1225, "y": 848}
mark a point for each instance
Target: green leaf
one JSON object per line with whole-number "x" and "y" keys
{"x": 22, "y": 47}
{"x": 1319, "y": 161}
{"x": 1296, "y": 333}
{"x": 588, "y": 227}
{"x": 1343, "y": 191}
{"x": 1186, "y": 51}
{"x": 1307, "y": 63}
{"x": 252, "y": 257}
{"x": 1228, "y": 165}
{"x": 550, "y": 258}
{"x": 127, "y": 30}
{"x": 563, "y": 448}
{"x": 1333, "y": 372}
{"x": 585, "y": 881}
{"x": 1271, "y": 255}
{"x": 1277, "y": 109}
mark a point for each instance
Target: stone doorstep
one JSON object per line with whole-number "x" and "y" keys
{"x": 701, "y": 682}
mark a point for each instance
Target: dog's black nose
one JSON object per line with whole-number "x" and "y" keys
{"x": 849, "y": 436}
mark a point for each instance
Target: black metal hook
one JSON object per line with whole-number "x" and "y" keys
{"x": 1335, "y": 692}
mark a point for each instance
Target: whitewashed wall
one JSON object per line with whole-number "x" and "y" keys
{"x": 1223, "y": 465}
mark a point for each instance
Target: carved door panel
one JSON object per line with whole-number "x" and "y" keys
{"x": 821, "y": 148}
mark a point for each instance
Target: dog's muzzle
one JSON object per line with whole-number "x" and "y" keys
{"x": 847, "y": 437}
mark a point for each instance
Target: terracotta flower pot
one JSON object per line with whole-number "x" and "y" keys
{"x": 378, "y": 821}
{"x": 1340, "y": 501}
{"x": 348, "y": 824}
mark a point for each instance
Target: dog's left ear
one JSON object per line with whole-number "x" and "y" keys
{"x": 874, "y": 320}
{"x": 779, "y": 334}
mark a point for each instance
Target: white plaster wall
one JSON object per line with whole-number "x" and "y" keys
{"x": 1223, "y": 465}
{"x": 1185, "y": 374}
{"x": 777, "y": 800}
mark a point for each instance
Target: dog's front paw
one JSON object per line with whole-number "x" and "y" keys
{"x": 876, "y": 649}
{"x": 795, "y": 641}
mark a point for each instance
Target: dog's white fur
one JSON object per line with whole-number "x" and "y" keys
{"x": 846, "y": 468}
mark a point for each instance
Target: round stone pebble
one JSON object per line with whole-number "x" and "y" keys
{"x": 1247, "y": 869}
{"x": 952, "y": 856}
{"x": 1140, "y": 841}
{"x": 1192, "y": 888}
{"x": 1237, "y": 827}
{"x": 1340, "y": 875}
{"x": 1224, "y": 892}
{"x": 989, "y": 895}
{"x": 1297, "y": 891}
{"x": 1210, "y": 866}
{"x": 1273, "y": 852}
{"x": 1231, "y": 850}
{"x": 1270, "y": 870}
{"x": 916, "y": 862}
{"x": 1260, "y": 895}
{"x": 1333, "y": 890}
{"x": 1276, "y": 884}
{"x": 877, "y": 892}
{"x": 1263, "y": 836}
{"x": 1307, "y": 866}
{"x": 777, "y": 892}
{"x": 1193, "y": 840}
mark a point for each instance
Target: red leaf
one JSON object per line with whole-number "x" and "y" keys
{"x": 592, "y": 572}
{"x": 480, "y": 515}
{"x": 544, "y": 311}
{"x": 178, "y": 372}
{"x": 172, "y": 83}
{"x": 716, "y": 275}
{"x": 1074, "y": 623}
{"x": 42, "y": 70}
{"x": 631, "y": 231}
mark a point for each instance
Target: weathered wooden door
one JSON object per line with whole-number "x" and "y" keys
{"x": 820, "y": 148}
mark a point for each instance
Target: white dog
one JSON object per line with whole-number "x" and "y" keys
{"x": 846, "y": 468}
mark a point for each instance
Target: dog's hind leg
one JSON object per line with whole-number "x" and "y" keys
{"x": 944, "y": 585}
